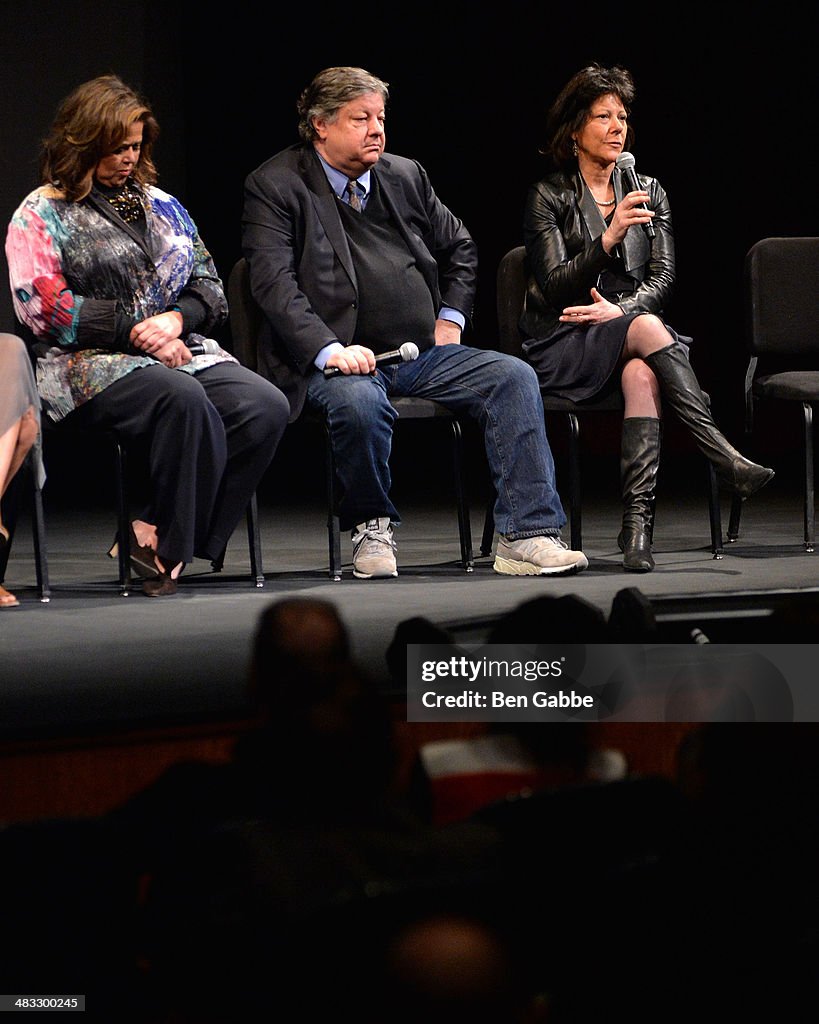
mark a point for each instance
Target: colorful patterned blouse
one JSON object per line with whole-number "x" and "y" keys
{"x": 77, "y": 269}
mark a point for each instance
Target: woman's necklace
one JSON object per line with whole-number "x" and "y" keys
{"x": 607, "y": 202}
{"x": 127, "y": 201}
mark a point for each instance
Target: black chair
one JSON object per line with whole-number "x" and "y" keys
{"x": 11, "y": 508}
{"x": 511, "y": 292}
{"x": 781, "y": 285}
{"x": 245, "y": 322}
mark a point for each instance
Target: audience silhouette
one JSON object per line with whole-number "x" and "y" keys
{"x": 285, "y": 870}
{"x": 305, "y": 877}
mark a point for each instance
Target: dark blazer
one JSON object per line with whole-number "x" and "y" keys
{"x": 561, "y": 231}
{"x": 301, "y": 271}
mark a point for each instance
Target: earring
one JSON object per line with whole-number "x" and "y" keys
{"x": 574, "y": 147}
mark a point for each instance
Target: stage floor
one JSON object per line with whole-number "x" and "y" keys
{"x": 93, "y": 659}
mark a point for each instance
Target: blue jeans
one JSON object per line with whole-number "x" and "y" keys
{"x": 499, "y": 391}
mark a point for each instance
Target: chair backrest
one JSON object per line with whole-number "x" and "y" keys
{"x": 511, "y": 291}
{"x": 782, "y": 296}
{"x": 245, "y": 315}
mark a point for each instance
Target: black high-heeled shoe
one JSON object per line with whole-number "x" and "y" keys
{"x": 143, "y": 557}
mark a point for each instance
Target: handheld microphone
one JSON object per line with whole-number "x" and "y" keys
{"x": 405, "y": 354}
{"x": 198, "y": 346}
{"x": 626, "y": 164}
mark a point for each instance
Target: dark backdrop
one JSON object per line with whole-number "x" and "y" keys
{"x": 724, "y": 118}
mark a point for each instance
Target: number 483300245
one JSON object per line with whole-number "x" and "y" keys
{"x": 18, "y": 1002}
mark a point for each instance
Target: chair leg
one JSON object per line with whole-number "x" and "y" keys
{"x": 333, "y": 524}
{"x": 40, "y": 553}
{"x": 734, "y": 518}
{"x": 254, "y": 545}
{"x": 714, "y": 513}
{"x": 488, "y": 535}
{"x": 464, "y": 525}
{"x": 123, "y": 522}
{"x": 11, "y": 504}
{"x": 810, "y": 510}
{"x": 254, "y": 542}
{"x": 13, "y": 497}
{"x": 575, "y": 512}
{"x": 334, "y": 540}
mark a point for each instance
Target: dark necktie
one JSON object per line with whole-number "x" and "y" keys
{"x": 353, "y": 193}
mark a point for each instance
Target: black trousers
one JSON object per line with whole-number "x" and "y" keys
{"x": 209, "y": 439}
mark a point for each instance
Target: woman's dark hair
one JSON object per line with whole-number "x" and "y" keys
{"x": 90, "y": 123}
{"x": 570, "y": 110}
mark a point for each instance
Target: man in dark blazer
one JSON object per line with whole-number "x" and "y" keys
{"x": 349, "y": 260}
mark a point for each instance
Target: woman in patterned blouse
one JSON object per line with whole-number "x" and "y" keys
{"x": 110, "y": 277}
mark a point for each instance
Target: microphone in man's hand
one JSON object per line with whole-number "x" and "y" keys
{"x": 405, "y": 354}
{"x": 203, "y": 347}
{"x": 626, "y": 164}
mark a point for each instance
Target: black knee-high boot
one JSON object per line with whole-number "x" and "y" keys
{"x": 681, "y": 390}
{"x": 639, "y": 462}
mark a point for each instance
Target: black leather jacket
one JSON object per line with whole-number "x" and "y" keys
{"x": 562, "y": 227}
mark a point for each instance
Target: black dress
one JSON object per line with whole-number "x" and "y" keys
{"x": 580, "y": 362}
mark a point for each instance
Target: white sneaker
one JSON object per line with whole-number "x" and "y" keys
{"x": 374, "y": 549}
{"x": 537, "y": 556}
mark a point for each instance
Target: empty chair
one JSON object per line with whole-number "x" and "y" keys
{"x": 781, "y": 291}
